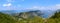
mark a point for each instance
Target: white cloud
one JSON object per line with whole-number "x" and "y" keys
{"x": 18, "y": 7}
{"x": 11, "y": 7}
{"x": 53, "y": 7}
{"x": 57, "y": 6}
{"x": 9, "y": 4}
{"x": 39, "y": 8}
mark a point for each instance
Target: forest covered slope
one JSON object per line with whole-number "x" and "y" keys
{"x": 29, "y": 17}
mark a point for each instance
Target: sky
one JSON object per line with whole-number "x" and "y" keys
{"x": 50, "y": 5}
{"x": 29, "y": 4}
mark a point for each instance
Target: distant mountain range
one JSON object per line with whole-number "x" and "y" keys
{"x": 45, "y": 13}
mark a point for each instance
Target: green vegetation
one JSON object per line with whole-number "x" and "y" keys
{"x": 27, "y": 17}
{"x": 5, "y": 18}
{"x": 55, "y": 18}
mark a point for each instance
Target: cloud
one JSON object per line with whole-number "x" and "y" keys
{"x": 39, "y": 8}
{"x": 53, "y": 7}
{"x": 58, "y": 6}
{"x": 19, "y": 7}
{"x": 9, "y": 4}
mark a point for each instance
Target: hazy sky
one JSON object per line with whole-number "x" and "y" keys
{"x": 29, "y": 4}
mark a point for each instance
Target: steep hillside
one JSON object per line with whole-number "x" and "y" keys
{"x": 30, "y": 14}
{"x": 55, "y": 18}
{"x": 5, "y": 18}
{"x": 30, "y": 17}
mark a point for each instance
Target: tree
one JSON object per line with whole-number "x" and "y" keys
{"x": 56, "y": 15}
{"x": 5, "y": 18}
{"x": 55, "y": 18}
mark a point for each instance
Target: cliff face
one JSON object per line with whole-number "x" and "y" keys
{"x": 30, "y": 14}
